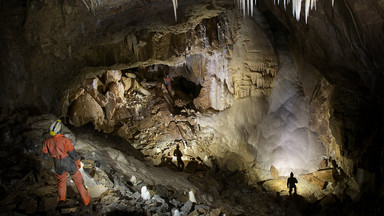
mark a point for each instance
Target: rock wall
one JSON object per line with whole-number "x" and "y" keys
{"x": 343, "y": 42}
{"x": 79, "y": 39}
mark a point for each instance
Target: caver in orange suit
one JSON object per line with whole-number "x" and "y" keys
{"x": 66, "y": 160}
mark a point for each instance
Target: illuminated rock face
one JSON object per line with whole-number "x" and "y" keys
{"x": 122, "y": 101}
{"x": 286, "y": 138}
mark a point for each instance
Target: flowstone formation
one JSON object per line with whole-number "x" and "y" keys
{"x": 286, "y": 139}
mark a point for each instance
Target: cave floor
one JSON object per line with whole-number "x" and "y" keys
{"x": 115, "y": 174}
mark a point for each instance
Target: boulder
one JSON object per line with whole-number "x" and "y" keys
{"x": 117, "y": 88}
{"x": 127, "y": 82}
{"x": 194, "y": 213}
{"x": 274, "y": 172}
{"x": 325, "y": 175}
{"x": 140, "y": 89}
{"x": 202, "y": 208}
{"x": 112, "y": 76}
{"x": 187, "y": 207}
{"x": 75, "y": 94}
{"x": 99, "y": 98}
{"x": 214, "y": 212}
{"x": 85, "y": 109}
{"x": 94, "y": 84}
{"x": 275, "y": 185}
{"x": 110, "y": 107}
{"x": 122, "y": 113}
{"x": 323, "y": 164}
{"x": 311, "y": 178}
{"x": 131, "y": 75}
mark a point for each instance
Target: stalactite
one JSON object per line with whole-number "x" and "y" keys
{"x": 243, "y": 8}
{"x": 174, "y": 8}
{"x": 307, "y": 6}
{"x": 247, "y": 5}
{"x": 252, "y": 8}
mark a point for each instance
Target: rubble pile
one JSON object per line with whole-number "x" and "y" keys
{"x": 106, "y": 101}
{"x": 117, "y": 177}
{"x": 121, "y": 180}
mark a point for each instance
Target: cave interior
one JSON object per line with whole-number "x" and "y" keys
{"x": 256, "y": 90}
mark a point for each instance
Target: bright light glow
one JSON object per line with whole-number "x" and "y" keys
{"x": 285, "y": 137}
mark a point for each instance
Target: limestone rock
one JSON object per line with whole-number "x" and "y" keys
{"x": 194, "y": 213}
{"x": 94, "y": 84}
{"x": 215, "y": 212}
{"x": 107, "y": 126}
{"x": 75, "y": 94}
{"x": 110, "y": 107}
{"x": 276, "y": 185}
{"x": 187, "y": 207}
{"x": 112, "y": 76}
{"x": 127, "y": 82}
{"x": 96, "y": 190}
{"x": 274, "y": 172}
{"x": 122, "y": 113}
{"x": 323, "y": 164}
{"x": 325, "y": 175}
{"x": 99, "y": 98}
{"x": 125, "y": 132}
{"x": 140, "y": 89}
{"x": 311, "y": 178}
{"x": 214, "y": 94}
{"x": 130, "y": 75}
{"x": 117, "y": 88}
{"x": 85, "y": 109}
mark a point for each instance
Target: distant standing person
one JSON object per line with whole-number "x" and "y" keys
{"x": 291, "y": 183}
{"x": 178, "y": 154}
{"x": 167, "y": 81}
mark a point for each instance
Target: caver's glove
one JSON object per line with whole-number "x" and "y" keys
{"x": 78, "y": 164}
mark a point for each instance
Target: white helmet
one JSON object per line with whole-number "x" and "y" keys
{"x": 55, "y": 127}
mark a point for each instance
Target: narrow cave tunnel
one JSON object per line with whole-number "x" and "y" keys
{"x": 249, "y": 91}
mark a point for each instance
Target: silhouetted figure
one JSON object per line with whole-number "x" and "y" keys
{"x": 178, "y": 154}
{"x": 291, "y": 183}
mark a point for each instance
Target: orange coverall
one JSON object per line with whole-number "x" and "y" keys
{"x": 59, "y": 147}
